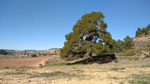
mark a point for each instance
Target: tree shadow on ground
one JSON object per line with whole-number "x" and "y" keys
{"x": 96, "y": 59}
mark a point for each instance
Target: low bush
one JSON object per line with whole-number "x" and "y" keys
{"x": 33, "y": 55}
{"x": 147, "y": 55}
{"x": 116, "y": 61}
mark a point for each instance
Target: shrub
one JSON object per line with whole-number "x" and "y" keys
{"x": 33, "y": 55}
{"x": 116, "y": 61}
{"x": 147, "y": 55}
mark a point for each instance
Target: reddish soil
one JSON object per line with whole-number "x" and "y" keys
{"x": 23, "y": 62}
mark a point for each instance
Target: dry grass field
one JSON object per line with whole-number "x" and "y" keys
{"x": 123, "y": 71}
{"x": 23, "y": 62}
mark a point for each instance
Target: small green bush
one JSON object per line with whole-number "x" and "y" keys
{"x": 116, "y": 61}
{"x": 33, "y": 55}
{"x": 147, "y": 55}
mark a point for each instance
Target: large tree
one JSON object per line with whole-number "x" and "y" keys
{"x": 144, "y": 31}
{"x": 89, "y": 38}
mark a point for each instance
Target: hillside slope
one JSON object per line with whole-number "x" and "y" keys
{"x": 143, "y": 39}
{"x": 142, "y": 44}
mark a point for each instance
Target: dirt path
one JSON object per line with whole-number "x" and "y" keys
{"x": 44, "y": 61}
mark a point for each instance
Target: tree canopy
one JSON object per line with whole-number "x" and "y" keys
{"x": 3, "y": 52}
{"x": 128, "y": 43}
{"x": 89, "y": 38}
{"x": 123, "y": 45}
{"x": 144, "y": 31}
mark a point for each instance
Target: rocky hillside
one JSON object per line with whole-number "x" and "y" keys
{"x": 142, "y": 43}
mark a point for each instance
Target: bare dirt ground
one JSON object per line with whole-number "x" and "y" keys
{"x": 23, "y": 62}
{"x": 123, "y": 71}
{"x": 142, "y": 39}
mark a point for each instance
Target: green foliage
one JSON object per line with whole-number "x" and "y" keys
{"x": 138, "y": 32}
{"x": 128, "y": 43}
{"x": 144, "y": 31}
{"x": 116, "y": 61}
{"x": 129, "y": 52}
{"x": 33, "y": 55}
{"x": 146, "y": 66}
{"x": 118, "y": 46}
{"x": 148, "y": 45}
{"x": 3, "y": 52}
{"x": 125, "y": 47}
{"x": 89, "y": 37}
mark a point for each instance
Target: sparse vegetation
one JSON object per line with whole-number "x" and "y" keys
{"x": 60, "y": 64}
{"x": 129, "y": 52}
{"x": 117, "y": 69}
{"x": 121, "y": 82}
{"x": 53, "y": 74}
{"x": 118, "y": 73}
{"x": 140, "y": 79}
{"x": 147, "y": 55}
{"x": 116, "y": 61}
{"x": 146, "y": 66}
{"x": 139, "y": 82}
{"x": 125, "y": 47}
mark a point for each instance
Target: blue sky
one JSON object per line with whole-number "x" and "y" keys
{"x": 43, "y": 24}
